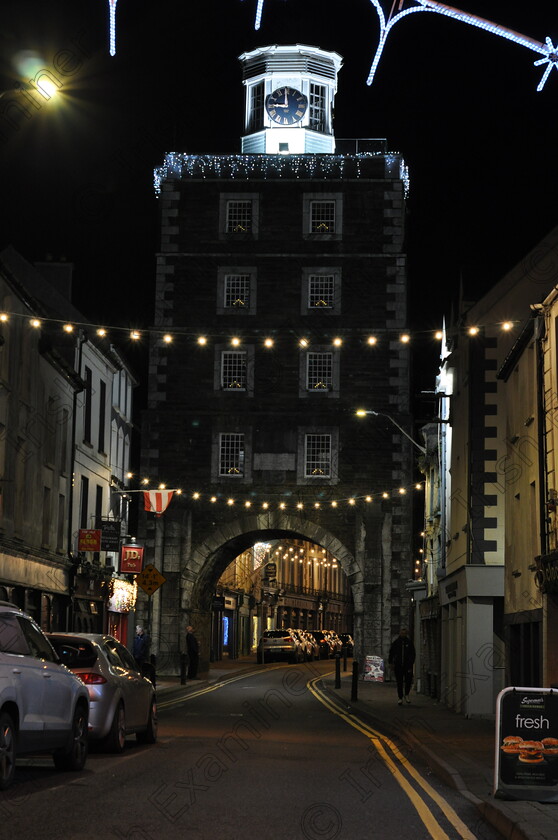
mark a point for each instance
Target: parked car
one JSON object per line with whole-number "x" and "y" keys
{"x": 335, "y": 642}
{"x": 347, "y": 641}
{"x": 326, "y": 648}
{"x": 122, "y": 701}
{"x": 306, "y": 645}
{"x": 312, "y": 642}
{"x": 44, "y": 708}
{"x": 279, "y": 644}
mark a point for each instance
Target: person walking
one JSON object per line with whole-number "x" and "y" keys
{"x": 193, "y": 650}
{"x": 402, "y": 658}
{"x": 139, "y": 648}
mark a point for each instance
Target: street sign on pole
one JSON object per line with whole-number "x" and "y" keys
{"x": 150, "y": 579}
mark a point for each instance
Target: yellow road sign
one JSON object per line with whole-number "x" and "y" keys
{"x": 150, "y": 579}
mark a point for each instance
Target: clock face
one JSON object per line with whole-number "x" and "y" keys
{"x": 286, "y": 105}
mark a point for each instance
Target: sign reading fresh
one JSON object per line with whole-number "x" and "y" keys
{"x": 526, "y": 762}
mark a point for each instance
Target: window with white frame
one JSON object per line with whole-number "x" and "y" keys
{"x": 317, "y": 107}
{"x": 321, "y": 291}
{"x": 231, "y": 454}
{"x": 256, "y": 107}
{"x": 239, "y": 216}
{"x": 236, "y": 291}
{"x": 233, "y": 370}
{"x": 317, "y": 456}
{"x": 319, "y": 371}
{"x": 322, "y": 217}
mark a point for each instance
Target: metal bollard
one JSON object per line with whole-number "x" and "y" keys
{"x": 337, "y": 671}
{"x": 344, "y": 657}
{"x": 354, "y": 687}
{"x": 183, "y": 668}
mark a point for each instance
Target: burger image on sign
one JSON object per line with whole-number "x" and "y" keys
{"x": 511, "y": 745}
{"x": 531, "y": 752}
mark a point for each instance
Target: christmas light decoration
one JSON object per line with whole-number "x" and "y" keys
{"x": 112, "y": 27}
{"x": 546, "y": 49}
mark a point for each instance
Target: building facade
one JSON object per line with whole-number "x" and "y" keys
{"x": 282, "y": 281}
{"x": 60, "y": 462}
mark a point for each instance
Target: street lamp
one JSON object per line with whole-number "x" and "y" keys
{"x": 362, "y": 412}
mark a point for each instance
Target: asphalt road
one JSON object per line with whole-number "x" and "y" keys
{"x": 265, "y": 755}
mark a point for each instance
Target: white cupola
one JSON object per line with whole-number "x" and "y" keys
{"x": 289, "y": 99}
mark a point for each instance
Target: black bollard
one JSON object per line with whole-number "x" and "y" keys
{"x": 344, "y": 657}
{"x": 354, "y": 687}
{"x": 183, "y": 668}
{"x": 337, "y": 671}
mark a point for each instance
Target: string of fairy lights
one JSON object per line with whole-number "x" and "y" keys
{"x": 168, "y": 337}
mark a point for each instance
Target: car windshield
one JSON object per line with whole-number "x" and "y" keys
{"x": 276, "y": 634}
{"x": 74, "y": 653}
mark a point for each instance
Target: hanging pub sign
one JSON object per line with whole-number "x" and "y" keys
{"x": 526, "y": 761}
{"x": 89, "y": 539}
{"x": 110, "y": 534}
{"x": 131, "y": 559}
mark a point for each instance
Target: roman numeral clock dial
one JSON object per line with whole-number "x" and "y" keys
{"x": 286, "y": 105}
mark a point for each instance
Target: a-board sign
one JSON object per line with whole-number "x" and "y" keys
{"x": 374, "y": 669}
{"x": 526, "y": 759}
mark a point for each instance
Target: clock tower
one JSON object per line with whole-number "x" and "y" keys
{"x": 289, "y": 100}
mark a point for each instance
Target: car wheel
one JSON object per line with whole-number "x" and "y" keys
{"x": 116, "y": 739}
{"x": 149, "y": 736}
{"x": 7, "y": 750}
{"x": 75, "y": 756}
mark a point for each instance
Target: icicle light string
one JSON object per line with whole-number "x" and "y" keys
{"x": 167, "y": 337}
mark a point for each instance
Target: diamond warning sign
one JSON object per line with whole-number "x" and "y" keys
{"x": 150, "y": 579}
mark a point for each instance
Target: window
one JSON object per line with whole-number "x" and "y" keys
{"x": 233, "y": 370}
{"x": 317, "y": 456}
{"x": 319, "y": 371}
{"x": 237, "y": 291}
{"x": 322, "y": 215}
{"x": 60, "y": 523}
{"x": 231, "y": 454}
{"x": 87, "y": 406}
{"x": 321, "y": 291}
{"x": 255, "y": 117}
{"x": 45, "y": 537}
{"x": 84, "y": 502}
{"x": 317, "y": 107}
{"x": 239, "y": 216}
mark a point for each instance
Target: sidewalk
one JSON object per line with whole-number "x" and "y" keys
{"x": 460, "y": 751}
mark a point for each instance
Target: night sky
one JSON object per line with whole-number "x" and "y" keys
{"x": 460, "y": 104}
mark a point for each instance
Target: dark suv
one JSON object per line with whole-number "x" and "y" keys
{"x": 44, "y": 708}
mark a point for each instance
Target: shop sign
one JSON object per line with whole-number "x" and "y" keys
{"x": 546, "y": 576}
{"x": 89, "y": 539}
{"x": 526, "y": 763}
{"x": 270, "y": 571}
{"x": 131, "y": 559}
{"x": 110, "y": 535}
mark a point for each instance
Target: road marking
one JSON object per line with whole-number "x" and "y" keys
{"x": 377, "y": 738}
{"x": 167, "y": 704}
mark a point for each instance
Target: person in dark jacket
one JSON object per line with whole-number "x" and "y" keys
{"x": 193, "y": 650}
{"x": 402, "y": 658}
{"x": 139, "y": 647}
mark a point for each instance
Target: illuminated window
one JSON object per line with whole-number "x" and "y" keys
{"x": 322, "y": 215}
{"x": 317, "y": 456}
{"x": 233, "y": 370}
{"x": 239, "y": 216}
{"x": 319, "y": 371}
{"x": 231, "y": 455}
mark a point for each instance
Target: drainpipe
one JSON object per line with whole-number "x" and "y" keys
{"x": 82, "y": 338}
{"x": 541, "y": 434}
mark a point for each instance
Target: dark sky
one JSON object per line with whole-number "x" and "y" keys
{"x": 459, "y": 103}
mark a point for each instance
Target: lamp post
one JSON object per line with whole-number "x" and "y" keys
{"x": 362, "y": 412}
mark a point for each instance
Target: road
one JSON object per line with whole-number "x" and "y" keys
{"x": 266, "y": 754}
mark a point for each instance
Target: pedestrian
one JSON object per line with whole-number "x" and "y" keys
{"x": 139, "y": 647}
{"x": 402, "y": 658}
{"x": 193, "y": 651}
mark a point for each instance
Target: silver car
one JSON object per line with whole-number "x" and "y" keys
{"x": 122, "y": 701}
{"x": 43, "y": 706}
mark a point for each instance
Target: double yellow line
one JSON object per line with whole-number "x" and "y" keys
{"x": 177, "y": 701}
{"x": 380, "y": 742}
